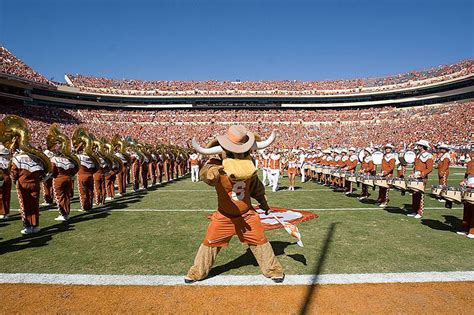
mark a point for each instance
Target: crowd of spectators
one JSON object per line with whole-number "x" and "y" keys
{"x": 11, "y": 65}
{"x": 448, "y": 123}
{"x": 263, "y": 87}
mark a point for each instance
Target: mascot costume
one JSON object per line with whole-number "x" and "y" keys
{"x": 234, "y": 176}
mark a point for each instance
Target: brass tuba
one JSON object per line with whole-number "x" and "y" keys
{"x": 109, "y": 149}
{"x": 101, "y": 150}
{"x": 81, "y": 138}
{"x": 117, "y": 141}
{"x": 15, "y": 134}
{"x": 54, "y": 137}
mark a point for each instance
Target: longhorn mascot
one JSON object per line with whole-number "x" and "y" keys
{"x": 233, "y": 174}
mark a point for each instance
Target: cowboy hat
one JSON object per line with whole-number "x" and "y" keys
{"x": 443, "y": 146}
{"x": 389, "y": 145}
{"x": 423, "y": 143}
{"x": 369, "y": 150}
{"x": 352, "y": 149}
{"x": 237, "y": 140}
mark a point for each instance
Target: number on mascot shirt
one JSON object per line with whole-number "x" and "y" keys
{"x": 238, "y": 191}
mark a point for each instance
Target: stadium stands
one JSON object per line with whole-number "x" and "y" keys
{"x": 11, "y": 65}
{"x": 289, "y": 87}
{"x": 296, "y": 128}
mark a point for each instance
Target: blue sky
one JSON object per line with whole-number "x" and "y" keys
{"x": 227, "y": 40}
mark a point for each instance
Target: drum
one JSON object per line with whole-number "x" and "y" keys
{"x": 398, "y": 183}
{"x": 381, "y": 181}
{"x": 377, "y": 157}
{"x": 452, "y": 194}
{"x": 336, "y": 173}
{"x": 468, "y": 195}
{"x": 437, "y": 189}
{"x": 407, "y": 157}
{"x": 307, "y": 166}
{"x": 368, "y": 180}
{"x": 313, "y": 167}
{"x": 343, "y": 174}
{"x": 415, "y": 184}
{"x": 351, "y": 178}
{"x": 319, "y": 169}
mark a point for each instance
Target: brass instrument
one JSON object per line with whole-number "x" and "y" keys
{"x": 117, "y": 141}
{"x": 15, "y": 134}
{"x": 82, "y": 139}
{"x": 109, "y": 149}
{"x": 134, "y": 146}
{"x": 54, "y": 137}
{"x": 101, "y": 150}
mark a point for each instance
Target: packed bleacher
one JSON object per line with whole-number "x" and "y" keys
{"x": 449, "y": 123}
{"x": 263, "y": 87}
{"x": 11, "y": 65}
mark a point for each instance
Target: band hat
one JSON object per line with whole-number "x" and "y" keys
{"x": 369, "y": 150}
{"x": 352, "y": 149}
{"x": 3, "y": 150}
{"x": 327, "y": 151}
{"x": 444, "y": 146}
{"x": 389, "y": 145}
{"x": 423, "y": 143}
{"x": 48, "y": 153}
{"x": 319, "y": 148}
{"x": 344, "y": 151}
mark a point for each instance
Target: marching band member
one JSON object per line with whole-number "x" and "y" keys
{"x": 302, "y": 159}
{"x": 351, "y": 165}
{"x": 89, "y": 164}
{"x": 99, "y": 176}
{"x": 152, "y": 168}
{"x": 388, "y": 166}
{"x": 275, "y": 169}
{"x": 367, "y": 168}
{"x": 144, "y": 168}
{"x": 338, "y": 163}
{"x": 443, "y": 162}
{"x": 47, "y": 185}
{"x": 122, "y": 174}
{"x": 292, "y": 165}
{"x": 423, "y": 166}
{"x": 29, "y": 167}
{"x": 136, "y": 163}
{"x": 5, "y": 183}
{"x": 468, "y": 213}
{"x": 159, "y": 167}
{"x": 65, "y": 166}
{"x": 194, "y": 158}
{"x": 265, "y": 168}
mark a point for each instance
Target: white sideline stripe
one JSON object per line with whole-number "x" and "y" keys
{"x": 235, "y": 280}
{"x": 210, "y": 210}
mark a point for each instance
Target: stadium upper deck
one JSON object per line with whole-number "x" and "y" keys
{"x": 437, "y": 85}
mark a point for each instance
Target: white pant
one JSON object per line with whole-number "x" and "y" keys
{"x": 195, "y": 173}
{"x": 265, "y": 176}
{"x": 303, "y": 176}
{"x": 274, "y": 177}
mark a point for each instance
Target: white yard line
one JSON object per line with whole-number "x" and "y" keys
{"x": 210, "y": 210}
{"x": 235, "y": 280}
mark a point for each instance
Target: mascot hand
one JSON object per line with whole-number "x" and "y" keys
{"x": 214, "y": 172}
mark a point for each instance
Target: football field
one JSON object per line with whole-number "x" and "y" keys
{"x": 157, "y": 233}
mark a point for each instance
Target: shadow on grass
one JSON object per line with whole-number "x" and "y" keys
{"x": 318, "y": 268}
{"x": 247, "y": 259}
{"x": 46, "y": 234}
{"x": 451, "y": 223}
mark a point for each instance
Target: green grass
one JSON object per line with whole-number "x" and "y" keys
{"x": 111, "y": 242}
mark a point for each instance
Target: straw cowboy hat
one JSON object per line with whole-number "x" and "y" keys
{"x": 237, "y": 140}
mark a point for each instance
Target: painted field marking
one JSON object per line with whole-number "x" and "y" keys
{"x": 210, "y": 210}
{"x": 236, "y": 280}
